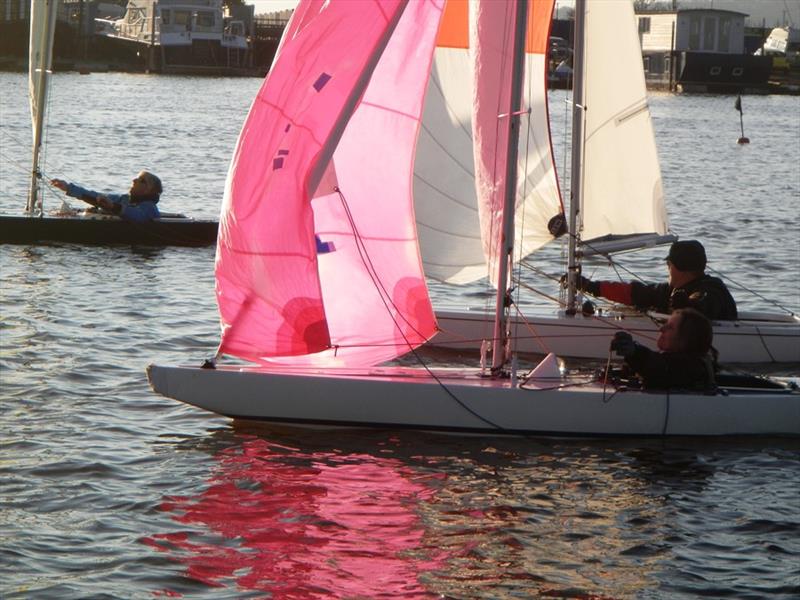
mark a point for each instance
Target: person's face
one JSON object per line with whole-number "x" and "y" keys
{"x": 140, "y": 185}
{"x": 672, "y": 272}
{"x": 669, "y": 339}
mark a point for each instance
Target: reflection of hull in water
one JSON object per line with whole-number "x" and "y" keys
{"x": 457, "y": 401}
{"x": 754, "y": 338}
{"x": 83, "y": 229}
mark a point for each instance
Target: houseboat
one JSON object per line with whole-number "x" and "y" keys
{"x": 179, "y": 35}
{"x": 699, "y": 50}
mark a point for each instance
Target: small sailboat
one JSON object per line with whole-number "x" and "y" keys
{"x": 319, "y": 279}
{"x": 617, "y": 204}
{"x": 81, "y": 227}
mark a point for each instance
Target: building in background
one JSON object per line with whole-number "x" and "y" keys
{"x": 699, "y": 50}
{"x": 192, "y": 36}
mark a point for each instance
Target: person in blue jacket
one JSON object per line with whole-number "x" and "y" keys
{"x": 138, "y": 205}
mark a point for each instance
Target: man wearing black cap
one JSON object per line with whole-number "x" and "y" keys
{"x": 688, "y": 287}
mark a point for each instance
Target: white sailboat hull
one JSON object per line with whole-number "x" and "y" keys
{"x": 459, "y": 402}
{"x": 754, "y": 338}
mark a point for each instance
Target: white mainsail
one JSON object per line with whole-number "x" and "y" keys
{"x": 622, "y": 192}
{"x": 43, "y": 27}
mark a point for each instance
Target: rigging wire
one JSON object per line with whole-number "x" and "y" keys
{"x": 389, "y": 304}
{"x": 517, "y": 280}
{"x": 387, "y": 301}
{"x": 749, "y": 290}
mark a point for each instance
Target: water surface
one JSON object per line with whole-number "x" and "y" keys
{"x": 107, "y": 490}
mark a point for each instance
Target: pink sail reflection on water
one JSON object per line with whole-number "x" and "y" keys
{"x": 316, "y": 525}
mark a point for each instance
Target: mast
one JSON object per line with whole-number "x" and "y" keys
{"x": 43, "y": 16}
{"x": 576, "y": 176}
{"x": 507, "y": 243}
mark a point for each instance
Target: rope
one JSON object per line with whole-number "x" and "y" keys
{"x": 386, "y": 299}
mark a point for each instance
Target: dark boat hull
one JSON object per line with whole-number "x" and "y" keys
{"x": 107, "y": 231}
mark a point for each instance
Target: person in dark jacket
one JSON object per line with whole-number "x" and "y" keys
{"x": 138, "y": 205}
{"x": 686, "y": 359}
{"x": 688, "y": 287}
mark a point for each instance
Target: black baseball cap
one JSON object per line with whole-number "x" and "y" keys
{"x": 687, "y": 256}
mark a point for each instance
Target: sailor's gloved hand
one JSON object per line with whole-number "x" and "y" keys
{"x": 583, "y": 284}
{"x": 588, "y": 286}
{"x": 623, "y": 344}
{"x": 679, "y": 299}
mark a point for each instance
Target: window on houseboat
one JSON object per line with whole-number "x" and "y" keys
{"x": 183, "y": 17}
{"x": 165, "y": 17}
{"x": 709, "y": 33}
{"x": 205, "y": 19}
{"x": 725, "y": 34}
{"x": 694, "y": 33}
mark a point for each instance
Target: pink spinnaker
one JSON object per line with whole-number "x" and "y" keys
{"x": 336, "y": 281}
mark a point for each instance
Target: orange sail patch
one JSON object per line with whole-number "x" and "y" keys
{"x": 454, "y": 27}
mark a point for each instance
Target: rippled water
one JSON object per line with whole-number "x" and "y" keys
{"x": 107, "y": 490}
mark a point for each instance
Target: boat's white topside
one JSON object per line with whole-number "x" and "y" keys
{"x": 757, "y": 337}
{"x": 455, "y": 399}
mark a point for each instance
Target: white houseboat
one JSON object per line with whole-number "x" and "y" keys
{"x": 170, "y": 35}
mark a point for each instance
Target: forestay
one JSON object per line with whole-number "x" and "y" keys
{"x": 337, "y": 280}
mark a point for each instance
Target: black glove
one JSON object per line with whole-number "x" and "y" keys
{"x": 623, "y": 344}
{"x": 588, "y": 286}
{"x": 679, "y": 299}
{"x": 583, "y": 284}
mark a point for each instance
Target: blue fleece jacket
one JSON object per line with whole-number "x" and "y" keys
{"x": 137, "y": 212}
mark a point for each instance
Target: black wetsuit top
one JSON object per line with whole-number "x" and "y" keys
{"x": 672, "y": 370}
{"x": 707, "y": 294}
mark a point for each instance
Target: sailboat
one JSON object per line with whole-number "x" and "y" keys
{"x": 82, "y": 227}
{"x": 618, "y": 204}
{"x": 319, "y": 279}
